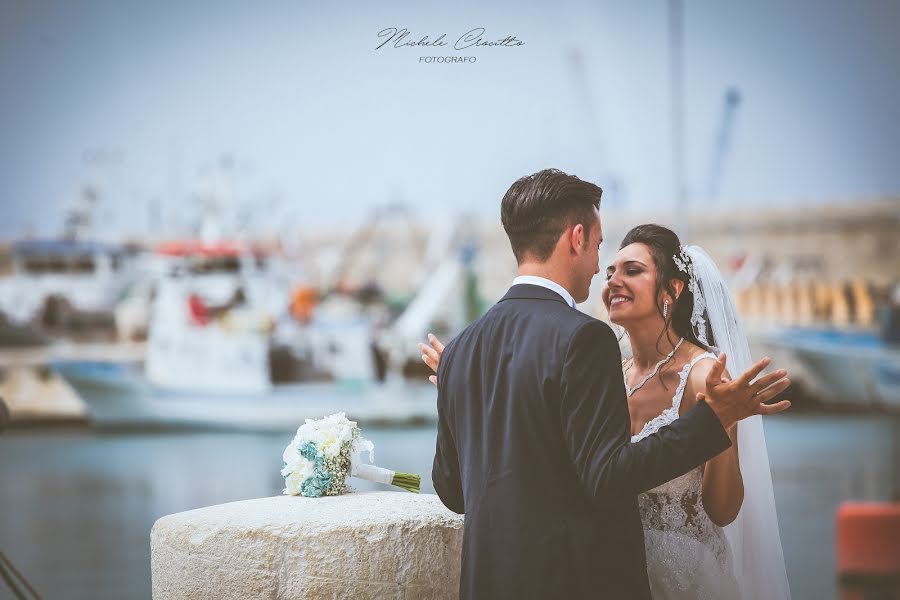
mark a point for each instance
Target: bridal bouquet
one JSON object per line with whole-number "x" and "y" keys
{"x": 325, "y": 452}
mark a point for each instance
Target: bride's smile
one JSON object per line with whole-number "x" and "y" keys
{"x": 631, "y": 285}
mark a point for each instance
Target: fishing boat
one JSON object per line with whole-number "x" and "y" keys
{"x": 67, "y": 286}
{"x": 845, "y": 367}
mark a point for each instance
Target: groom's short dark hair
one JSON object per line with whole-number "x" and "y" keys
{"x": 537, "y": 208}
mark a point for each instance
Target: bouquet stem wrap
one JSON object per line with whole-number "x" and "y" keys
{"x": 407, "y": 481}
{"x": 372, "y": 473}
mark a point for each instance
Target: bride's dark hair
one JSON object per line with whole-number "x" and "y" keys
{"x": 664, "y": 244}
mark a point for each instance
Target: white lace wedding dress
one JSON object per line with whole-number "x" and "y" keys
{"x": 688, "y": 557}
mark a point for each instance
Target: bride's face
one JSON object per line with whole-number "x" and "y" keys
{"x": 630, "y": 292}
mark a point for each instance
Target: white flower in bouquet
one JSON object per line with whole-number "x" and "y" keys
{"x": 325, "y": 452}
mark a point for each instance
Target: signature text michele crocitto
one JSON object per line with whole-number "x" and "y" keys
{"x": 474, "y": 38}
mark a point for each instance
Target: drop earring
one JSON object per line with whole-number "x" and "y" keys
{"x": 665, "y": 309}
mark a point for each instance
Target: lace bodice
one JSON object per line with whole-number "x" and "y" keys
{"x": 687, "y": 554}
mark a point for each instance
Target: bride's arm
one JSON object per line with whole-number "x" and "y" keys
{"x": 723, "y": 486}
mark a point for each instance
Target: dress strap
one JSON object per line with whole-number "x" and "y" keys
{"x": 683, "y": 377}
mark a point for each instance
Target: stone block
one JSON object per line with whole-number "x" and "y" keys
{"x": 360, "y": 545}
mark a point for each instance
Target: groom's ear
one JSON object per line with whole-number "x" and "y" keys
{"x": 577, "y": 236}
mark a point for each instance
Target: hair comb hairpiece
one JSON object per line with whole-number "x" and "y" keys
{"x": 683, "y": 263}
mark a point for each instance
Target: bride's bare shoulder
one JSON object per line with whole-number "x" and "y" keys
{"x": 697, "y": 377}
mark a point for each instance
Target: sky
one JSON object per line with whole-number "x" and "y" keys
{"x": 289, "y": 112}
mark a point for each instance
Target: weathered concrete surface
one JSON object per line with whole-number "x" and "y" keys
{"x": 360, "y": 545}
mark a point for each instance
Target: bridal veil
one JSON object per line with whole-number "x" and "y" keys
{"x": 753, "y": 536}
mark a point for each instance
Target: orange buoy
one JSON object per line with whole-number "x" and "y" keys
{"x": 868, "y": 550}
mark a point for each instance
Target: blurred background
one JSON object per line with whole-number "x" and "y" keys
{"x": 221, "y": 218}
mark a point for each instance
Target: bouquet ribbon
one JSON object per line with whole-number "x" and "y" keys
{"x": 372, "y": 473}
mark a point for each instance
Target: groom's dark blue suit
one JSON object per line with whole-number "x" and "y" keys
{"x": 534, "y": 447}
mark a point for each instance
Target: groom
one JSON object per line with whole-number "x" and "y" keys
{"x": 533, "y": 437}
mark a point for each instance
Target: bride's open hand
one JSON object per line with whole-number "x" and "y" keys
{"x": 432, "y": 355}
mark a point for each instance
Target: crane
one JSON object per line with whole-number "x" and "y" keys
{"x": 722, "y": 143}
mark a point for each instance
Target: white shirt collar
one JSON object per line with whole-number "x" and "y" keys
{"x": 546, "y": 283}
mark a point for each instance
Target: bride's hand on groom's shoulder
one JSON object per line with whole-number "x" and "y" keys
{"x": 431, "y": 355}
{"x": 742, "y": 397}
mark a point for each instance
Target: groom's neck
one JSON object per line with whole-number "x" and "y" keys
{"x": 547, "y": 270}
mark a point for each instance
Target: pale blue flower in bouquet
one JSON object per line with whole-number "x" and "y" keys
{"x": 325, "y": 452}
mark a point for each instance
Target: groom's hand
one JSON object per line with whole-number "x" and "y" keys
{"x": 742, "y": 397}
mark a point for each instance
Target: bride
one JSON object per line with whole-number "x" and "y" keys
{"x": 713, "y": 532}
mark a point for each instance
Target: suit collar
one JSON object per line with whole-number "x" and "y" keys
{"x": 527, "y": 291}
{"x": 546, "y": 283}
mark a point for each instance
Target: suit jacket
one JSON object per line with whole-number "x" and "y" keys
{"x": 534, "y": 446}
